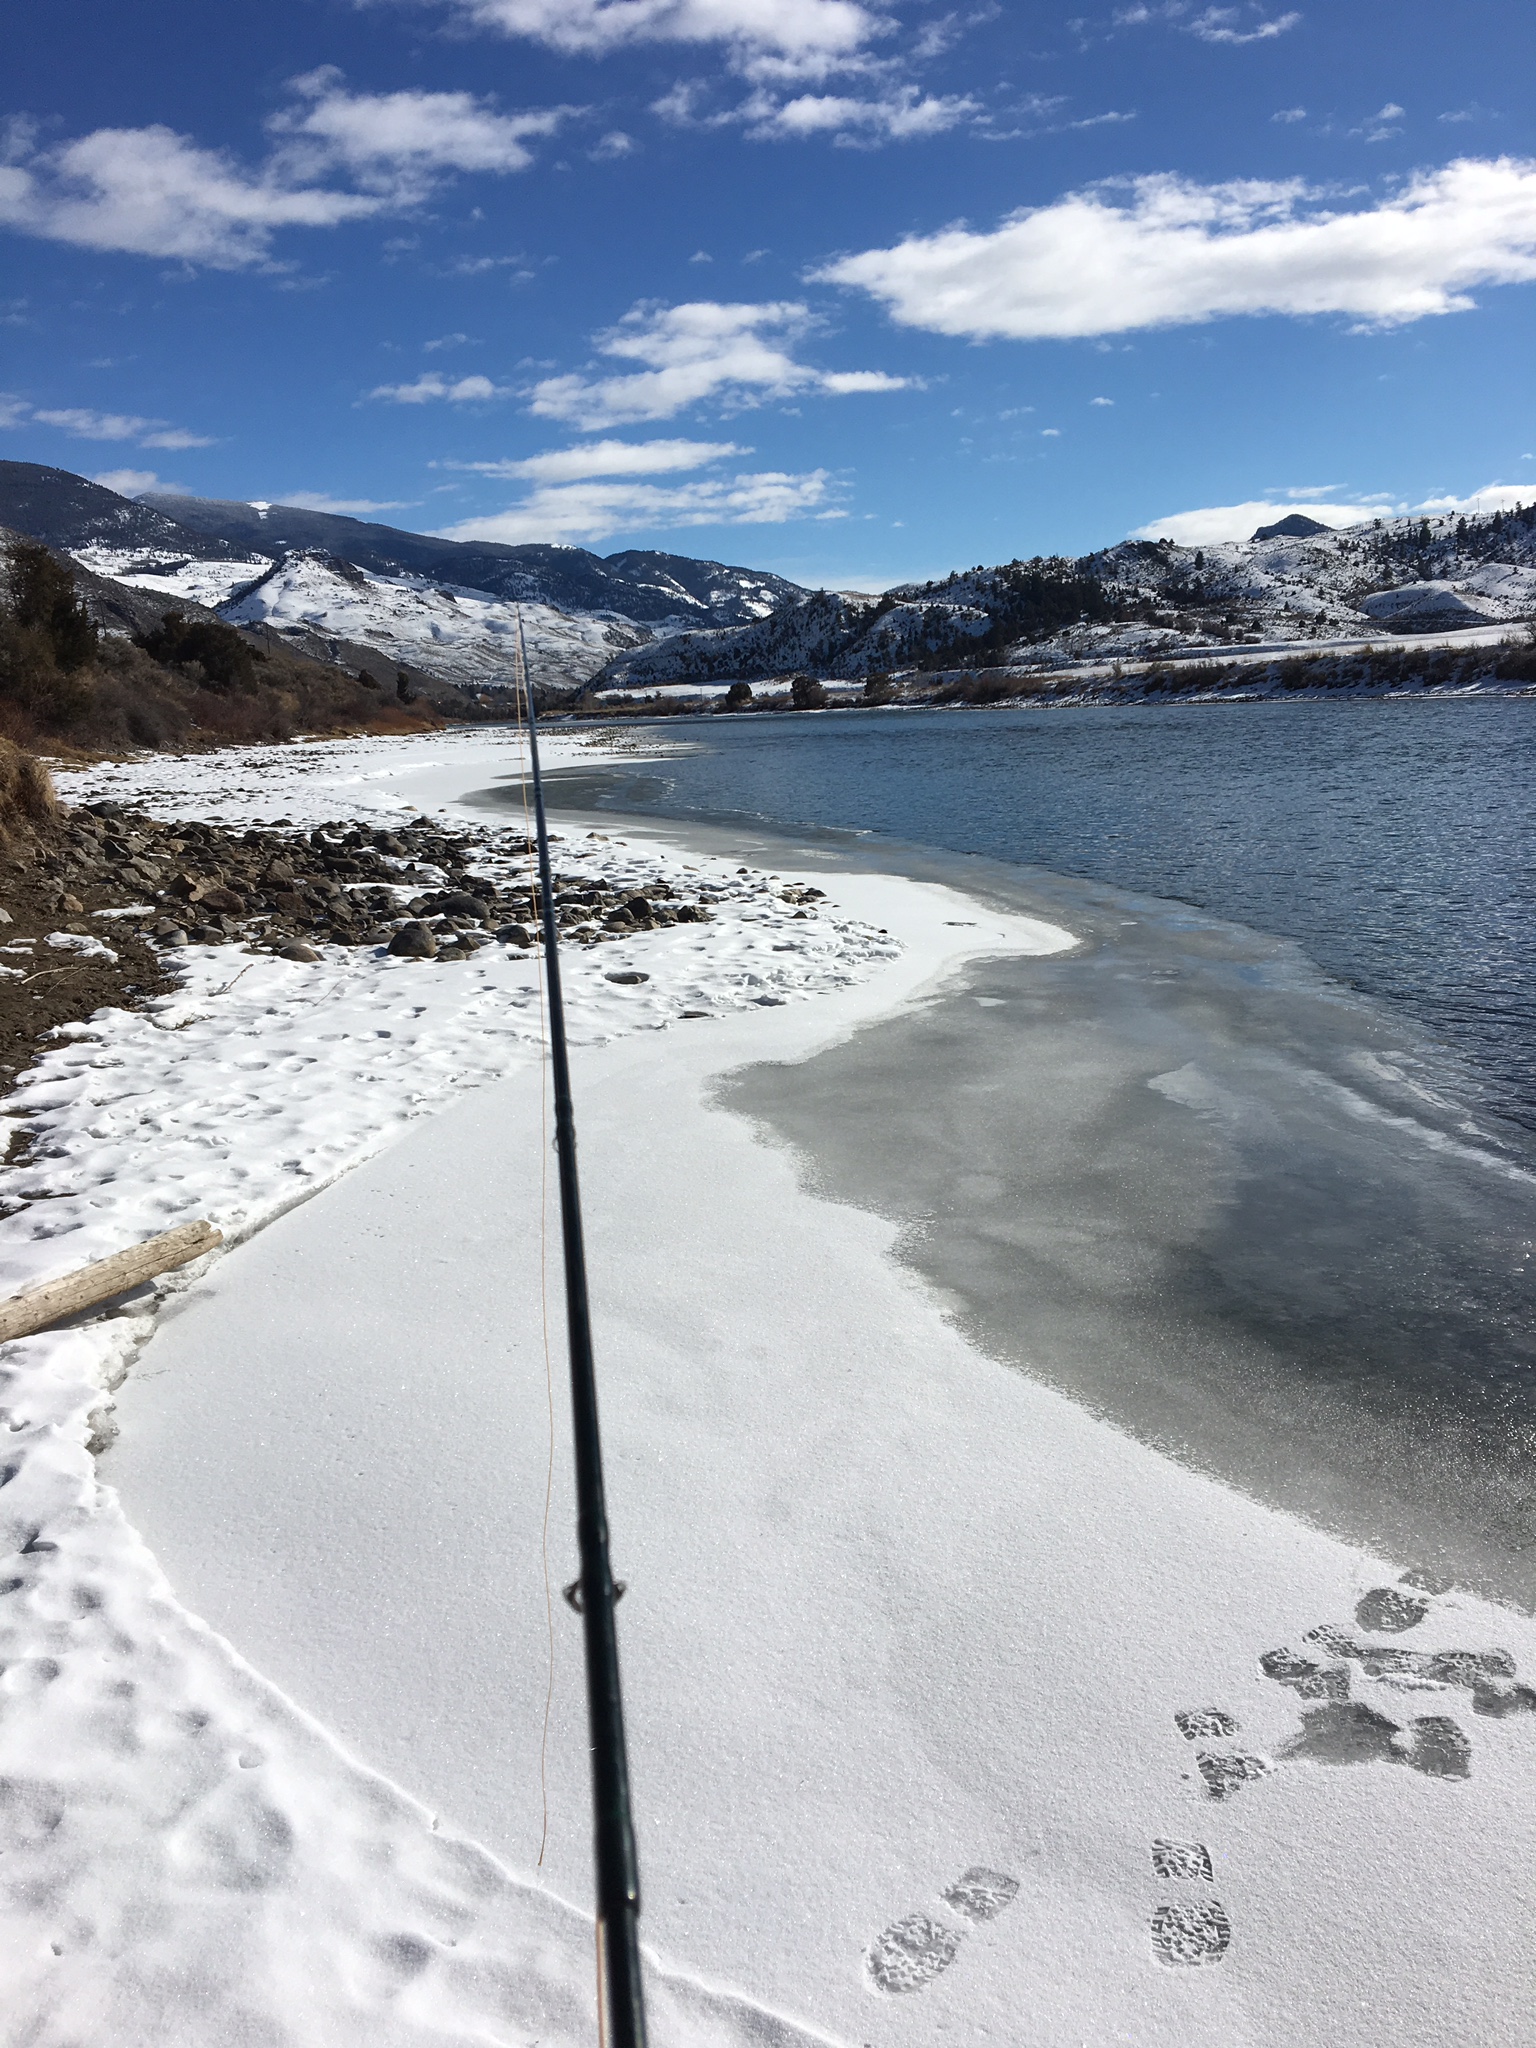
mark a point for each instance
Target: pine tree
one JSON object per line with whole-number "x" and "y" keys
{"x": 43, "y": 599}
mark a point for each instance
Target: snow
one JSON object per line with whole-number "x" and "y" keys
{"x": 173, "y": 576}
{"x": 907, "y": 1633}
{"x": 464, "y": 636}
{"x": 460, "y": 635}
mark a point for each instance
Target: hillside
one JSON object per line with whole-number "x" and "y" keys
{"x": 359, "y": 595}
{"x": 1140, "y": 600}
{"x": 87, "y": 663}
{"x": 650, "y": 588}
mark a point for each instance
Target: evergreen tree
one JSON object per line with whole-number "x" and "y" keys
{"x": 43, "y": 600}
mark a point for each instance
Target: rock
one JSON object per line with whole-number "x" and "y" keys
{"x": 70, "y": 905}
{"x": 619, "y": 921}
{"x": 6, "y": 917}
{"x": 628, "y": 976}
{"x": 690, "y": 913}
{"x": 460, "y": 904}
{"x": 183, "y": 885}
{"x": 224, "y": 902}
{"x": 515, "y": 935}
{"x": 171, "y": 935}
{"x": 639, "y": 906}
{"x": 298, "y": 951}
{"x": 413, "y": 941}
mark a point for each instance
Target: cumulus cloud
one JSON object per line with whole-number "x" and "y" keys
{"x": 152, "y": 192}
{"x": 339, "y": 157}
{"x": 131, "y": 483}
{"x": 404, "y": 138}
{"x": 593, "y": 510}
{"x": 85, "y": 423}
{"x": 901, "y": 115}
{"x": 784, "y": 37}
{"x": 1209, "y": 525}
{"x": 608, "y": 458}
{"x": 731, "y": 355}
{"x": 430, "y": 386}
{"x": 1163, "y": 251}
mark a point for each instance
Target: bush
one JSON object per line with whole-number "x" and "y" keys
{"x": 226, "y": 660}
{"x": 738, "y": 698}
{"x": 806, "y": 694}
{"x": 42, "y": 600}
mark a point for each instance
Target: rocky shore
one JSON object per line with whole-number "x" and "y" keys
{"x": 97, "y": 904}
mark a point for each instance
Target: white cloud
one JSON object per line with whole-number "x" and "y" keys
{"x": 609, "y": 458}
{"x": 84, "y": 423}
{"x": 1289, "y": 115}
{"x": 319, "y": 501}
{"x": 796, "y": 37}
{"x": 734, "y": 356}
{"x": 594, "y": 510}
{"x": 131, "y": 483}
{"x": 443, "y": 341}
{"x": 152, "y": 192}
{"x": 610, "y": 147}
{"x": 1491, "y": 498}
{"x": 403, "y": 138}
{"x": 1211, "y": 524}
{"x": 903, "y": 115}
{"x": 1234, "y": 25}
{"x": 430, "y": 386}
{"x": 1226, "y": 25}
{"x": 1162, "y": 251}
{"x": 1101, "y": 401}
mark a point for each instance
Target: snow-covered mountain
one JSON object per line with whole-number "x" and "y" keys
{"x": 344, "y": 590}
{"x": 655, "y": 589}
{"x": 1140, "y": 599}
{"x": 332, "y": 610}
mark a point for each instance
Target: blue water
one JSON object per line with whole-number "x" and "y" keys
{"x": 1395, "y": 842}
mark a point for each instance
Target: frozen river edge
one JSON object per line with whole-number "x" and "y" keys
{"x": 899, "y": 1616}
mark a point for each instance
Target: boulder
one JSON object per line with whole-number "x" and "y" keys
{"x": 413, "y": 941}
{"x": 224, "y": 902}
{"x": 298, "y": 951}
{"x": 628, "y": 977}
{"x": 515, "y": 935}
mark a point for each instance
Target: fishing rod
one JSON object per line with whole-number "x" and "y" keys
{"x": 621, "y": 2002}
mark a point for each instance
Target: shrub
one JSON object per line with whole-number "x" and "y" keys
{"x": 42, "y": 600}
{"x": 226, "y": 660}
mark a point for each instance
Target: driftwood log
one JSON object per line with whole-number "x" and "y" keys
{"x": 27, "y": 1313}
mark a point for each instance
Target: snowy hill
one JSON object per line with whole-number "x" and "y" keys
{"x": 656, "y": 589}
{"x": 1140, "y": 599}
{"x": 334, "y": 611}
{"x": 343, "y": 589}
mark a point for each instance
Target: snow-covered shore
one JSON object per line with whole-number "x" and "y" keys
{"x": 935, "y": 1681}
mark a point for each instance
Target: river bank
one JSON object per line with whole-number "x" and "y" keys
{"x": 956, "y": 1710}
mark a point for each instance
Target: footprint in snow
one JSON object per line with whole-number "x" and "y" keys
{"x": 910, "y": 1953}
{"x": 1188, "y": 1931}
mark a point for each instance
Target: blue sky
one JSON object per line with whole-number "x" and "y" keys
{"x": 851, "y": 291}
